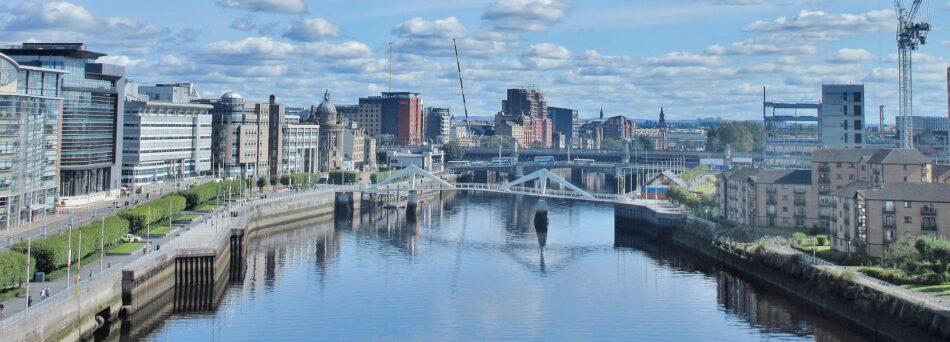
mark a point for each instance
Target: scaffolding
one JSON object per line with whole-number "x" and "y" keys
{"x": 791, "y": 132}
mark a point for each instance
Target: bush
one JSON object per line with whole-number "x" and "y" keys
{"x": 821, "y": 240}
{"x": 12, "y": 269}
{"x": 154, "y": 211}
{"x": 51, "y": 253}
{"x": 380, "y": 176}
{"x": 302, "y": 179}
{"x": 201, "y": 194}
{"x": 343, "y": 177}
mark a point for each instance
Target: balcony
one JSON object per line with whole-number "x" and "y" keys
{"x": 824, "y": 180}
{"x": 825, "y": 168}
{"x": 799, "y": 202}
{"x": 932, "y": 226}
{"x": 890, "y": 226}
{"x": 889, "y": 210}
{"x": 800, "y": 215}
{"x": 799, "y": 190}
{"x": 928, "y": 210}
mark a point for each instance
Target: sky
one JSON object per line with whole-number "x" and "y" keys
{"x": 695, "y": 58}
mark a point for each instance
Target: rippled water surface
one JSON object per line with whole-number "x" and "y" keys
{"x": 474, "y": 267}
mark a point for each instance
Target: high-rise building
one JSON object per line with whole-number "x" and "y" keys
{"x": 396, "y": 116}
{"x": 31, "y": 105}
{"x": 166, "y": 138}
{"x": 841, "y": 116}
{"x": 94, "y": 95}
{"x": 524, "y": 117}
{"x": 566, "y": 124}
{"x": 277, "y": 123}
{"x": 239, "y": 137}
{"x": 438, "y": 124}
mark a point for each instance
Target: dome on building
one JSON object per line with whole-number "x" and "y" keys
{"x": 326, "y": 110}
{"x": 231, "y": 95}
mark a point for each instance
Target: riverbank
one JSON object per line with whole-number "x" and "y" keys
{"x": 852, "y": 299}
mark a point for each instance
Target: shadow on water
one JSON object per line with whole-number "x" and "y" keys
{"x": 765, "y": 311}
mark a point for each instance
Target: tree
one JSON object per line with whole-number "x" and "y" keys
{"x": 453, "y": 151}
{"x": 743, "y": 136}
{"x": 261, "y": 183}
{"x": 611, "y": 144}
{"x": 274, "y": 180}
{"x": 646, "y": 143}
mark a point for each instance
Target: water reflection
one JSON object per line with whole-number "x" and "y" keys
{"x": 473, "y": 266}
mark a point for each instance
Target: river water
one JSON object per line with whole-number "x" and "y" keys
{"x": 473, "y": 267}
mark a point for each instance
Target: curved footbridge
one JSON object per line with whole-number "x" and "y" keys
{"x": 190, "y": 272}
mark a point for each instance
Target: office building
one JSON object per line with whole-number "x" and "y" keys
{"x": 166, "y": 137}
{"x": 93, "y": 96}
{"x": 841, "y": 116}
{"x": 438, "y": 125}
{"x": 354, "y": 151}
{"x": 566, "y": 124}
{"x": 393, "y": 118}
{"x": 31, "y": 105}
{"x": 300, "y": 147}
{"x": 276, "y": 125}
{"x": 239, "y": 137}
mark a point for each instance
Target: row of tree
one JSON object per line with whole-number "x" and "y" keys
{"x": 742, "y": 136}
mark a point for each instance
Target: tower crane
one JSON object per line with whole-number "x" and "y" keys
{"x": 910, "y": 35}
{"x": 458, "y": 65}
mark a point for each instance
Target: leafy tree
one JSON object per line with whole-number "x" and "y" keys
{"x": 261, "y": 183}
{"x": 453, "y": 151}
{"x": 743, "y": 136}
{"x": 611, "y": 144}
{"x": 646, "y": 143}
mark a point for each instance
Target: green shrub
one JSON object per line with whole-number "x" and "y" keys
{"x": 13, "y": 269}
{"x": 343, "y": 177}
{"x": 821, "y": 240}
{"x": 154, "y": 211}
{"x": 380, "y": 176}
{"x": 51, "y": 253}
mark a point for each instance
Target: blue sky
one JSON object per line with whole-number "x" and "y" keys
{"x": 696, "y": 58}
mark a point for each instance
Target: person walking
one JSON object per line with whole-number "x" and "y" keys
{"x": 29, "y": 301}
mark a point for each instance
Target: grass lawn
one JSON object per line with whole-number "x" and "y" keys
{"x": 707, "y": 188}
{"x": 11, "y": 293}
{"x": 86, "y": 260}
{"x": 126, "y": 248}
{"x": 938, "y": 289}
{"x": 205, "y": 208}
{"x": 186, "y": 217}
{"x": 163, "y": 230}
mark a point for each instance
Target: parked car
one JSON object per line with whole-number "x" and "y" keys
{"x": 131, "y": 238}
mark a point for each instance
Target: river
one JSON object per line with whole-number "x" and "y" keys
{"x": 474, "y": 267}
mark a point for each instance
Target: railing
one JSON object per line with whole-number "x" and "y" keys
{"x": 928, "y": 210}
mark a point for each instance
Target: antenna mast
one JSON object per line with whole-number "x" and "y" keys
{"x": 462, "y": 86}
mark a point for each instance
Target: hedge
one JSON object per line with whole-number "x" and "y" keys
{"x": 341, "y": 177}
{"x": 302, "y": 179}
{"x": 204, "y": 193}
{"x": 154, "y": 211}
{"x": 12, "y": 272}
{"x": 51, "y": 253}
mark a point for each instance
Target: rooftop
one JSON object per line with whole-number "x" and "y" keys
{"x": 913, "y": 192}
{"x": 899, "y": 156}
{"x": 845, "y": 155}
{"x": 75, "y": 50}
{"x": 796, "y": 177}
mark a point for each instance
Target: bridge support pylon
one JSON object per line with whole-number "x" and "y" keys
{"x": 343, "y": 204}
{"x": 412, "y": 203}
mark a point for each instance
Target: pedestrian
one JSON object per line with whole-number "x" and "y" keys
{"x": 1, "y": 310}
{"x": 29, "y": 301}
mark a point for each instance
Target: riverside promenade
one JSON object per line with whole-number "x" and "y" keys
{"x": 76, "y": 310}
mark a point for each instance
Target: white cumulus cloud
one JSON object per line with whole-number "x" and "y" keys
{"x": 272, "y": 6}
{"x": 524, "y": 15}
{"x": 312, "y": 29}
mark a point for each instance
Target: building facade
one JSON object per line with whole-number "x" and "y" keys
{"x": 524, "y": 117}
{"x": 331, "y": 148}
{"x": 93, "y": 94}
{"x": 767, "y": 198}
{"x": 841, "y": 116}
{"x": 566, "y": 124}
{"x": 167, "y": 139}
{"x": 300, "y": 148}
{"x": 400, "y": 117}
{"x": 438, "y": 125}
{"x": 239, "y": 137}
{"x": 31, "y": 106}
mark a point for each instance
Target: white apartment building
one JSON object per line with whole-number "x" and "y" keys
{"x": 841, "y": 116}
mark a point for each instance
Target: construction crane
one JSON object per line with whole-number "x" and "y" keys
{"x": 910, "y": 35}
{"x": 458, "y": 65}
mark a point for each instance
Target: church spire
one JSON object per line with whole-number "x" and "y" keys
{"x": 662, "y": 118}
{"x": 601, "y": 112}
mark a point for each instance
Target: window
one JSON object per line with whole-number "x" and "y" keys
{"x": 850, "y": 165}
{"x": 889, "y": 205}
{"x": 857, "y": 96}
{"x": 906, "y": 204}
{"x": 838, "y": 176}
{"x": 851, "y": 176}
{"x": 845, "y": 124}
{"x": 907, "y": 219}
{"x": 784, "y": 209}
{"x": 857, "y": 137}
{"x": 857, "y": 124}
{"x": 889, "y": 235}
{"x": 844, "y": 110}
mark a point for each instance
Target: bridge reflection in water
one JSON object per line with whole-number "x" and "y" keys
{"x": 465, "y": 232}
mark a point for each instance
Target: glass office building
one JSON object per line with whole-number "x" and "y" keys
{"x": 91, "y": 119}
{"x": 30, "y": 110}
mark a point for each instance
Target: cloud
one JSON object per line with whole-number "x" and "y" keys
{"x": 346, "y": 50}
{"x": 120, "y": 60}
{"x": 419, "y": 36}
{"x": 524, "y": 15}
{"x": 248, "y": 51}
{"x": 311, "y": 30}
{"x": 847, "y": 56}
{"x": 824, "y": 24}
{"x": 546, "y": 56}
{"x": 272, "y": 6}
{"x": 244, "y": 23}
{"x": 753, "y": 47}
{"x": 685, "y": 59}
{"x": 64, "y": 21}
{"x": 34, "y": 16}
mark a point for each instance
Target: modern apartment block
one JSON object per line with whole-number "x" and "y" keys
{"x": 239, "y": 137}
{"x": 400, "y": 117}
{"x": 766, "y": 198}
{"x": 166, "y": 138}
{"x": 841, "y": 116}
{"x": 31, "y": 107}
{"x": 868, "y": 217}
{"x": 833, "y": 169}
{"x": 566, "y": 124}
{"x": 438, "y": 125}
{"x": 93, "y": 95}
